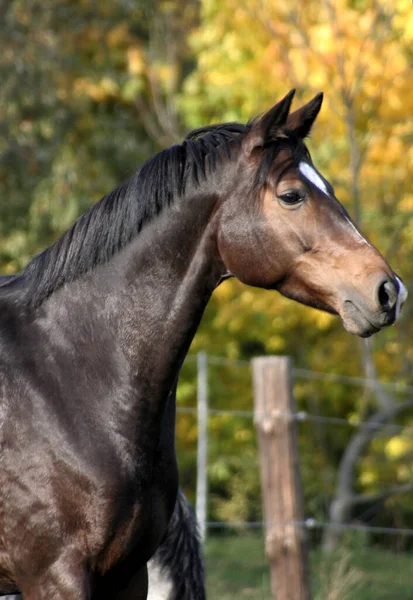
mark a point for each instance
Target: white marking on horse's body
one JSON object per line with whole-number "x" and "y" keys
{"x": 401, "y": 297}
{"x": 160, "y": 585}
{"x": 311, "y": 174}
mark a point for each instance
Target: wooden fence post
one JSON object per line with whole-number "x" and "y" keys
{"x": 286, "y": 545}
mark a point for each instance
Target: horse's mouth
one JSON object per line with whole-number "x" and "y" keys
{"x": 357, "y": 322}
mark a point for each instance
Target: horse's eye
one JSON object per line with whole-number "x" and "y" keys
{"x": 292, "y": 197}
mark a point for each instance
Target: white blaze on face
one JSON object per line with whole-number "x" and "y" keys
{"x": 401, "y": 297}
{"x": 311, "y": 174}
{"x": 357, "y": 232}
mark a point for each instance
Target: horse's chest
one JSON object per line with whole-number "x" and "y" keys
{"x": 137, "y": 511}
{"x": 137, "y": 526}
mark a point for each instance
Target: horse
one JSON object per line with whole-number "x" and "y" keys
{"x": 94, "y": 331}
{"x": 176, "y": 570}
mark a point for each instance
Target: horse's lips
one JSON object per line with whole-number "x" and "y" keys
{"x": 356, "y": 322}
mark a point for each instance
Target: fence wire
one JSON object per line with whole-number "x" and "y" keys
{"x": 381, "y": 429}
{"x": 302, "y": 416}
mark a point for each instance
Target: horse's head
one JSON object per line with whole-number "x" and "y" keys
{"x": 283, "y": 228}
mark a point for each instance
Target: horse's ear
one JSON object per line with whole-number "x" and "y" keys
{"x": 265, "y": 129}
{"x": 301, "y": 120}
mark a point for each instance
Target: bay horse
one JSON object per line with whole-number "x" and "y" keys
{"x": 94, "y": 331}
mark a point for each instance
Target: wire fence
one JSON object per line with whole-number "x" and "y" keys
{"x": 376, "y": 535}
{"x": 302, "y": 416}
{"x": 376, "y": 429}
{"x": 315, "y": 375}
{"x": 310, "y": 524}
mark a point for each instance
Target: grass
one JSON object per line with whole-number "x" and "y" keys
{"x": 237, "y": 569}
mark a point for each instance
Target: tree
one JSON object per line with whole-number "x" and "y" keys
{"x": 69, "y": 131}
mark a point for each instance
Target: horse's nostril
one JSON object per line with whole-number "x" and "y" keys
{"x": 387, "y": 294}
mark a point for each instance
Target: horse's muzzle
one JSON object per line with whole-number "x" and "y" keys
{"x": 364, "y": 318}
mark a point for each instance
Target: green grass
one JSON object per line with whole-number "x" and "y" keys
{"x": 237, "y": 569}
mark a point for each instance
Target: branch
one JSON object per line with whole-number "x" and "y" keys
{"x": 166, "y": 42}
{"x": 344, "y": 497}
{"x": 262, "y": 17}
{"x": 393, "y": 491}
{"x": 150, "y": 123}
{"x": 384, "y": 400}
{"x": 360, "y": 441}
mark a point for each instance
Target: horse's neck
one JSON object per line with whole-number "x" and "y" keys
{"x": 172, "y": 270}
{"x": 151, "y": 295}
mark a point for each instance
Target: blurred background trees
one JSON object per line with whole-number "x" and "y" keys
{"x": 90, "y": 90}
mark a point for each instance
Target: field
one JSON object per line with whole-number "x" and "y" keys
{"x": 237, "y": 569}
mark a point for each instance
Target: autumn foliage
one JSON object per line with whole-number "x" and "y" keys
{"x": 89, "y": 90}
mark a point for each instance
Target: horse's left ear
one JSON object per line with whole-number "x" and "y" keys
{"x": 265, "y": 129}
{"x": 301, "y": 120}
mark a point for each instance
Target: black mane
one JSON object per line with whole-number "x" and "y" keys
{"x": 109, "y": 225}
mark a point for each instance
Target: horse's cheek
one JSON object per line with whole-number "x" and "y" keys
{"x": 247, "y": 253}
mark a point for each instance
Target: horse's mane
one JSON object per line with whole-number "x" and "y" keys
{"x": 109, "y": 225}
